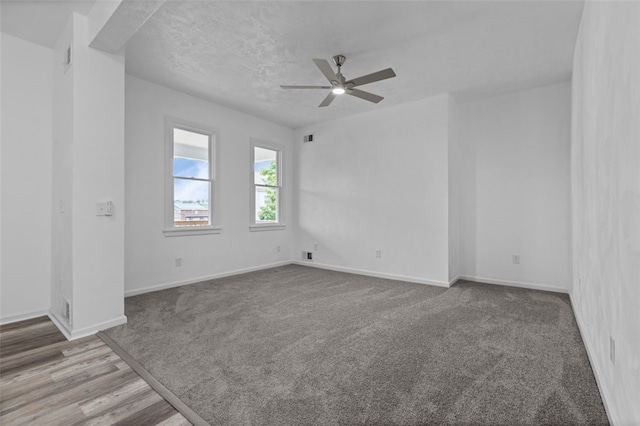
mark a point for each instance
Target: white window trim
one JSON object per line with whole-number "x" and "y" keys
{"x": 253, "y": 225}
{"x": 169, "y": 229}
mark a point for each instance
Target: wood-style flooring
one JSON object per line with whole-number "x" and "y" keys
{"x": 47, "y": 380}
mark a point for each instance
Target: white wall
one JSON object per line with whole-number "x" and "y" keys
{"x": 377, "y": 181}
{"x": 27, "y": 81}
{"x": 98, "y": 175}
{"x": 515, "y": 188}
{"x": 1, "y": 180}
{"x": 455, "y": 195}
{"x": 606, "y": 199}
{"x": 150, "y": 256}
{"x": 62, "y": 176}
{"x": 88, "y": 168}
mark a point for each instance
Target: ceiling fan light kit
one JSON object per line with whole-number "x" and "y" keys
{"x": 340, "y": 85}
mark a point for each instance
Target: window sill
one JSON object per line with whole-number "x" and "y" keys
{"x": 196, "y": 230}
{"x": 267, "y": 227}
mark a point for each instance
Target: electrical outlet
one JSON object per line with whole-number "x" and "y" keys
{"x": 104, "y": 208}
{"x": 178, "y": 262}
{"x": 108, "y": 208}
{"x": 278, "y": 249}
{"x": 515, "y": 259}
{"x": 315, "y": 246}
{"x": 378, "y": 254}
{"x": 307, "y": 255}
{"x": 612, "y": 349}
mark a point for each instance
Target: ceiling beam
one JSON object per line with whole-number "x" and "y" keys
{"x": 113, "y": 22}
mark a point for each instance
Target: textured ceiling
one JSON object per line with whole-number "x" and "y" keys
{"x": 238, "y": 53}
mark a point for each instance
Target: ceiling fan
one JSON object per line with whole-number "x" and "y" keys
{"x": 339, "y": 85}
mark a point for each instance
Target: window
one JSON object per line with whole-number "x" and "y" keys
{"x": 190, "y": 186}
{"x": 266, "y": 181}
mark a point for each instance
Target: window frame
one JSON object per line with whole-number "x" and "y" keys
{"x": 253, "y": 224}
{"x": 170, "y": 230}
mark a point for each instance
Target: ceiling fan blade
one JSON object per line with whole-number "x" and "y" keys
{"x": 305, "y": 87}
{"x": 326, "y": 69}
{"x": 327, "y": 100}
{"x": 364, "y": 95}
{"x": 370, "y": 78}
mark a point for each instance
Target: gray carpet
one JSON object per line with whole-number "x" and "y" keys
{"x": 296, "y": 345}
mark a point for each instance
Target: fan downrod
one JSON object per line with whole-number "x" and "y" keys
{"x": 339, "y": 60}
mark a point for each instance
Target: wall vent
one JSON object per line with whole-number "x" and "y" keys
{"x": 66, "y": 309}
{"x": 307, "y": 138}
{"x": 612, "y": 349}
{"x": 67, "y": 58}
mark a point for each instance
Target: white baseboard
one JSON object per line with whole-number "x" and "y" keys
{"x": 373, "y": 273}
{"x": 521, "y": 284}
{"x": 23, "y": 317}
{"x": 73, "y": 334}
{"x": 134, "y": 292}
{"x": 594, "y": 366}
{"x": 61, "y": 324}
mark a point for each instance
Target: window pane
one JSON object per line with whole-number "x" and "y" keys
{"x": 190, "y": 203}
{"x": 266, "y": 205}
{"x": 190, "y": 154}
{"x": 183, "y": 167}
{"x": 265, "y": 167}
